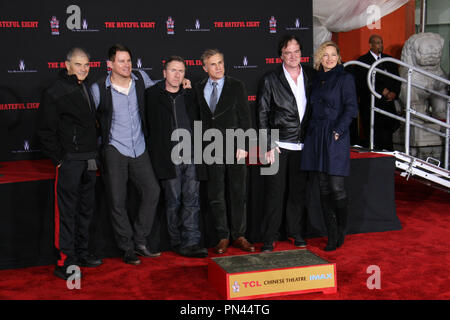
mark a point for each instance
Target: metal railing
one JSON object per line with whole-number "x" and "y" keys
{"x": 408, "y": 110}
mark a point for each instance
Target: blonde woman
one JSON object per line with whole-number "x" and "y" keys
{"x": 327, "y": 142}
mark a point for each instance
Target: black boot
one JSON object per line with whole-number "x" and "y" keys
{"x": 330, "y": 222}
{"x": 341, "y": 217}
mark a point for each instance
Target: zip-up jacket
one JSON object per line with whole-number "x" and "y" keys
{"x": 165, "y": 113}
{"x": 67, "y": 127}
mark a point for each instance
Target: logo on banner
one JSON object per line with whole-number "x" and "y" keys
{"x": 74, "y": 21}
{"x": 19, "y": 106}
{"x": 236, "y": 287}
{"x": 278, "y": 60}
{"x": 197, "y": 27}
{"x": 19, "y": 24}
{"x": 273, "y": 25}
{"x": 22, "y": 68}
{"x": 170, "y": 23}
{"x": 26, "y": 148}
{"x": 139, "y": 65}
{"x": 245, "y": 64}
{"x": 297, "y": 26}
{"x": 54, "y": 26}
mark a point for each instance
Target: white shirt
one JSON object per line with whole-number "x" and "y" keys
{"x": 298, "y": 89}
{"x": 374, "y": 55}
{"x": 122, "y": 90}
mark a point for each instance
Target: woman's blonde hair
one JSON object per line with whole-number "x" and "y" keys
{"x": 318, "y": 55}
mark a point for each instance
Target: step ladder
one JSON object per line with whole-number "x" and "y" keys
{"x": 426, "y": 170}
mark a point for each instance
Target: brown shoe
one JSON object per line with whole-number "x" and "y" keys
{"x": 243, "y": 244}
{"x": 222, "y": 246}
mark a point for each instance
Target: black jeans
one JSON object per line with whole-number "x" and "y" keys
{"x": 183, "y": 206}
{"x": 227, "y": 192}
{"x": 291, "y": 179}
{"x": 75, "y": 194}
{"x": 118, "y": 170}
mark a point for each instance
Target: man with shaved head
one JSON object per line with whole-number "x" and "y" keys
{"x": 67, "y": 131}
{"x": 384, "y": 85}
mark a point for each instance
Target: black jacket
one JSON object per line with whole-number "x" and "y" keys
{"x": 67, "y": 127}
{"x": 160, "y": 114}
{"x": 277, "y": 108}
{"x": 232, "y": 110}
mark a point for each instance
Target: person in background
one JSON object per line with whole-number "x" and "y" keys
{"x": 384, "y": 126}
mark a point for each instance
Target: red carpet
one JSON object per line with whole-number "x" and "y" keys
{"x": 414, "y": 264}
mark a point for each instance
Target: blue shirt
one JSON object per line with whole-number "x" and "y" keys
{"x": 209, "y": 88}
{"x": 126, "y": 131}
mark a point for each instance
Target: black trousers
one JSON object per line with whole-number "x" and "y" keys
{"x": 118, "y": 170}
{"x": 384, "y": 126}
{"x": 74, "y": 208}
{"x": 182, "y": 197}
{"x": 227, "y": 192}
{"x": 285, "y": 190}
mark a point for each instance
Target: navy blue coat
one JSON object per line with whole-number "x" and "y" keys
{"x": 333, "y": 106}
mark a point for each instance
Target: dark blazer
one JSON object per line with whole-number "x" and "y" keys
{"x": 334, "y": 105}
{"x": 277, "y": 107}
{"x": 160, "y": 119}
{"x": 232, "y": 110}
{"x": 381, "y": 82}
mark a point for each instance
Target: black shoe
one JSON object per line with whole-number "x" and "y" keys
{"x": 63, "y": 273}
{"x": 193, "y": 252}
{"x": 144, "y": 252}
{"x": 90, "y": 261}
{"x": 267, "y": 247}
{"x": 332, "y": 234}
{"x": 300, "y": 243}
{"x": 131, "y": 258}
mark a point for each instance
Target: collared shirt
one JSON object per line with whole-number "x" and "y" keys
{"x": 126, "y": 132}
{"x": 298, "y": 89}
{"x": 375, "y": 56}
{"x": 209, "y": 88}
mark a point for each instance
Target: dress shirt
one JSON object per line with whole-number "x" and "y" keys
{"x": 126, "y": 131}
{"x": 298, "y": 89}
{"x": 209, "y": 88}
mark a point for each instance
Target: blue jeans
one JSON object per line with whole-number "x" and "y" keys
{"x": 182, "y": 206}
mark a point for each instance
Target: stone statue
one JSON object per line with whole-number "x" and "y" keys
{"x": 423, "y": 50}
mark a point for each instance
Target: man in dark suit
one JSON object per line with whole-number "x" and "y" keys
{"x": 283, "y": 105}
{"x": 389, "y": 88}
{"x": 223, "y": 104}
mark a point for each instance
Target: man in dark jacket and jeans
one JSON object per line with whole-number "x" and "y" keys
{"x": 283, "y": 106}
{"x": 68, "y": 136}
{"x": 170, "y": 112}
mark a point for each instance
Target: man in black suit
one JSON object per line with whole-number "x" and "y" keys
{"x": 223, "y": 104}
{"x": 389, "y": 88}
{"x": 283, "y": 105}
